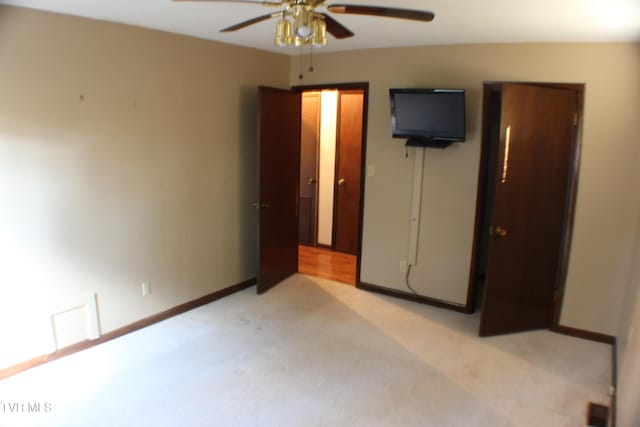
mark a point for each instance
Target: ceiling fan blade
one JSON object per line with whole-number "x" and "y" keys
{"x": 245, "y": 24}
{"x": 336, "y": 29}
{"x": 389, "y": 12}
{"x": 263, "y": 3}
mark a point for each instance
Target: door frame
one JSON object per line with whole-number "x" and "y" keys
{"x": 576, "y": 148}
{"x": 364, "y": 86}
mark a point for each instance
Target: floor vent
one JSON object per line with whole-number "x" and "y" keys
{"x": 598, "y": 415}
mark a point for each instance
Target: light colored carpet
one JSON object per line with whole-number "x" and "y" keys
{"x": 312, "y": 352}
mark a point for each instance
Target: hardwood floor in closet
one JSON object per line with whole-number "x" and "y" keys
{"x": 325, "y": 263}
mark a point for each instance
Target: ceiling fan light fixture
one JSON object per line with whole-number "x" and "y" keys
{"x": 319, "y": 32}
{"x": 298, "y": 41}
{"x": 283, "y": 33}
{"x": 303, "y": 26}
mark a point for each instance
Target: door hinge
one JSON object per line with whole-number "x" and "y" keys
{"x": 575, "y": 118}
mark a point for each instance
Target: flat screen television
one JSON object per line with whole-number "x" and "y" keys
{"x": 428, "y": 117}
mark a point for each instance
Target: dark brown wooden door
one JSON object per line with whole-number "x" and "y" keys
{"x": 348, "y": 172}
{"x": 279, "y": 159}
{"x": 309, "y": 138}
{"x": 531, "y": 197}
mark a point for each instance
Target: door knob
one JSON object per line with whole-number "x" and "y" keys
{"x": 311, "y": 181}
{"x": 341, "y": 181}
{"x": 500, "y": 231}
{"x": 259, "y": 205}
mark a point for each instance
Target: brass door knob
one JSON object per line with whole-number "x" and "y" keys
{"x": 501, "y": 231}
{"x": 311, "y": 181}
{"x": 341, "y": 181}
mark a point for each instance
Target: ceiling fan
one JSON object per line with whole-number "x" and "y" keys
{"x": 300, "y": 24}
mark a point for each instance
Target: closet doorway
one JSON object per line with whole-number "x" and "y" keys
{"x": 331, "y": 185}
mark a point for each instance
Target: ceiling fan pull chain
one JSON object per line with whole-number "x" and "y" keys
{"x": 311, "y": 60}
{"x": 301, "y": 76}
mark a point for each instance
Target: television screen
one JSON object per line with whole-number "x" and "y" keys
{"x": 429, "y": 114}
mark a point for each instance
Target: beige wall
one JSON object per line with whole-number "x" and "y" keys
{"x": 126, "y": 155}
{"x": 607, "y": 203}
{"x": 629, "y": 346}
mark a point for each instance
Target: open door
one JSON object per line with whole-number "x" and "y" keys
{"x": 279, "y": 160}
{"x": 531, "y": 190}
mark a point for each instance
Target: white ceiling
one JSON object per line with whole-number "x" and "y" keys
{"x": 457, "y": 21}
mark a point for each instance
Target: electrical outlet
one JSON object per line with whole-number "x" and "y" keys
{"x": 403, "y": 266}
{"x": 146, "y": 288}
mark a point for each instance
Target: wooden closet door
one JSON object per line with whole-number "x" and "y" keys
{"x": 348, "y": 172}
{"x": 309, "y": 139}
